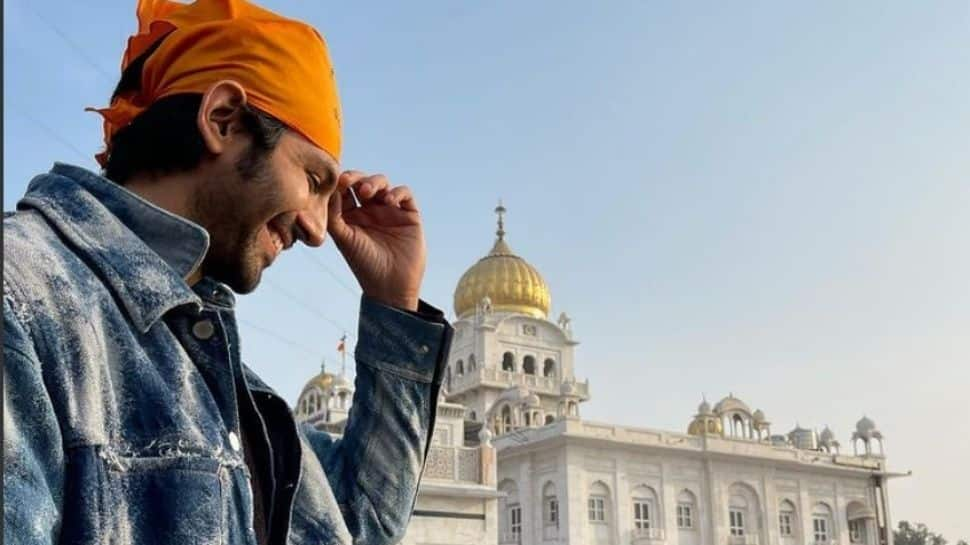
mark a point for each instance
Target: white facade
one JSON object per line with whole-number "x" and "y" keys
{"x": 559, "y": 479}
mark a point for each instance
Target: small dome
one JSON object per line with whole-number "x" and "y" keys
{"x": 759, "y": 416}
{"x": 323, "y": 381}
{"x": 865, "y": 425}
{"x": 704, "y": 408}
{"x": 731, "y": 403}
{"x": 510, "y": 282}
{"x": 827, "y": 435}
{"x": 705, "y": 426}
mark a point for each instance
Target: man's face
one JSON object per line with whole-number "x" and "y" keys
{"x": 257, "y": 204}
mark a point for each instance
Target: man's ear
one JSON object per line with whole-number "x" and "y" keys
{"x": 220, "y": 114}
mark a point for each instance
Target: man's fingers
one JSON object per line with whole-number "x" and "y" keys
{"x": 402, "y": 198}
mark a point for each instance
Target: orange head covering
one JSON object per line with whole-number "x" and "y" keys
{"x": 282, "y": 64}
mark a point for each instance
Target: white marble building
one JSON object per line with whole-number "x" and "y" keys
{"x": 511, "y": 382}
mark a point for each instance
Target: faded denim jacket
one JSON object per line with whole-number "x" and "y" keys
{"x": 123, "y": 390}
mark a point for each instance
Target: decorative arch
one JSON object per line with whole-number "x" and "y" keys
{"x": 788, "y": 523}
{"x": 743, "y": 510}
{"x": 508, "y": 362}
{"x": 646, "y": 508}
{"x": 550, "y": 510}
{"x": 510, "y": 509}
{"x": 460, "y": 368}
{"x": 686, "y": 510}
{"x": 549, "y": 368}
{"x": 822, "y": 523}
{"x": 529, "y": 365}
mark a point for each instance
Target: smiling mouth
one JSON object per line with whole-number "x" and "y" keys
{"x": 279, "y": 239}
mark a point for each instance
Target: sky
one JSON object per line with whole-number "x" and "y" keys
{"x": 769, "y": 199}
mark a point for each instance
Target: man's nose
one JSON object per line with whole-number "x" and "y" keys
{"x": 311, "y": 225}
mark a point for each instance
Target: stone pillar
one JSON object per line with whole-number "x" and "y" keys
{"x": 769, "y": 530}
{"x": 667, "y": 503}
{"x": 805, "y": 511}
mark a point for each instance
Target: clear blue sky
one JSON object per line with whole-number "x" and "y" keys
{"x": 748, "y": 197}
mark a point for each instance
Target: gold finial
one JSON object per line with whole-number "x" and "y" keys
{"x": 500, "y": 210}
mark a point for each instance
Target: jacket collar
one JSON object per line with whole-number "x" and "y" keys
{"x": 142, "y": 252}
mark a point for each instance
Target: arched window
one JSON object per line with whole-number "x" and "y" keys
{"x": 460, "y": 368}
{"x": 598, "y": 503}
{"x": 737, "y": 426}
{"x": 508, "y": 362}
{"x": 743, "y": 509}
{"x": 342, "y": 396}
{"x": 787, "y": 522}
{"x": 550, "y": 419}
{"x": 506, "y": 419}
{"x": 821, "y": 523}
{"x": 686, "y": 510}
{"x": 550, "y": 511}
{"x": 528, "y": 419}
{"x": 529, "y": 365}
{"x": 645, "y": 515}
{"x": 857, "y": 514}
{"x": 549, "y": 368}
{"x": 471, "y": 362}
{"x": 738, "y": 515}
{"x": 472, "y": 415}
{"x": 510, "y": 513}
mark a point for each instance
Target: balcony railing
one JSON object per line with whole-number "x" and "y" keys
{"x": 536, "y": 383}
{"x": 647, "y": 535}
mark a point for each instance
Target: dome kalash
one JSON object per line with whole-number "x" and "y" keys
{"x": 510, "y": 282}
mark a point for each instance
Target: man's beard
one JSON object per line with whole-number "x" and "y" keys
{"x": 229, "y": 211}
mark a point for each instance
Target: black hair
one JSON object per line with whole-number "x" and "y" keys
{"x": 165, "y": 139}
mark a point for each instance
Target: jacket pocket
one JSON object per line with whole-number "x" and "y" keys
{"x": 149, "y": 500}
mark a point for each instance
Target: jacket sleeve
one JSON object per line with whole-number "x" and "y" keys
{"x": 33, "y": 455}
{"x": 375, "y": 468}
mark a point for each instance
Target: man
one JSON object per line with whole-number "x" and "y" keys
{"x": 128, "y": 417}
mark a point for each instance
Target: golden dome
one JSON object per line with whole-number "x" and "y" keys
{"x": 705, "y": 425}
{"x": 510, "y": 283}
{"x": 323, "y": 381}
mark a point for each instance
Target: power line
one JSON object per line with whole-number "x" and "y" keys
{"x": 329, "y": 271}
{"x": 307, "y": 307}
{"x": 75, "y": 47}
{"x": 51, "y": 133}
{"x": 278, "y": 337}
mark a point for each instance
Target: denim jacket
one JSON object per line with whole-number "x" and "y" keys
{"x": 123, "y": 390}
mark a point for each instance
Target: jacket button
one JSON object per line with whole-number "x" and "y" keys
{"x": 203, "y": 330}
{"x": 234, "y": 441}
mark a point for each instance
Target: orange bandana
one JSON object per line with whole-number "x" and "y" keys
{"x": 282, "y": 64}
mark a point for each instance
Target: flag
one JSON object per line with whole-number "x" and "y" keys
{"x": 341, "y": 346}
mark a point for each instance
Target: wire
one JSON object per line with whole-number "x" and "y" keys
{"x": 73, "y": 45}
{"x": 278, "y": 337}
{"x": 52, "y": 133}
{"x": 317, "y": 261}
{"x": 305, "y": 306}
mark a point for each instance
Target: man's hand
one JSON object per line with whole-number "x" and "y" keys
{"x": 382, "y": 239}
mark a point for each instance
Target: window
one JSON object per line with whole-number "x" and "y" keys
{"x": 515, "y": 520}
{"x": 786, "y": 519}
{"x": 549, "y": 368}
{"x": 855, "y": 531}
{"x": 820, "y": 526}
{"x": 551, "y": 516}
{"x": 597, "y": 509}
{"x": 460, "y": 368}
{"x": 737, "y": 522}
{"x": 471, "y": 362}
{"x": 508, "y": 362}
{"x": 529, "y": 365}
{"x": 641, "y": 514}
{"x": 685, "y": 516}
{"x": 785, "y": 523}
{"x": 550, "y": 419}
{"x": 506, "y": 419}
